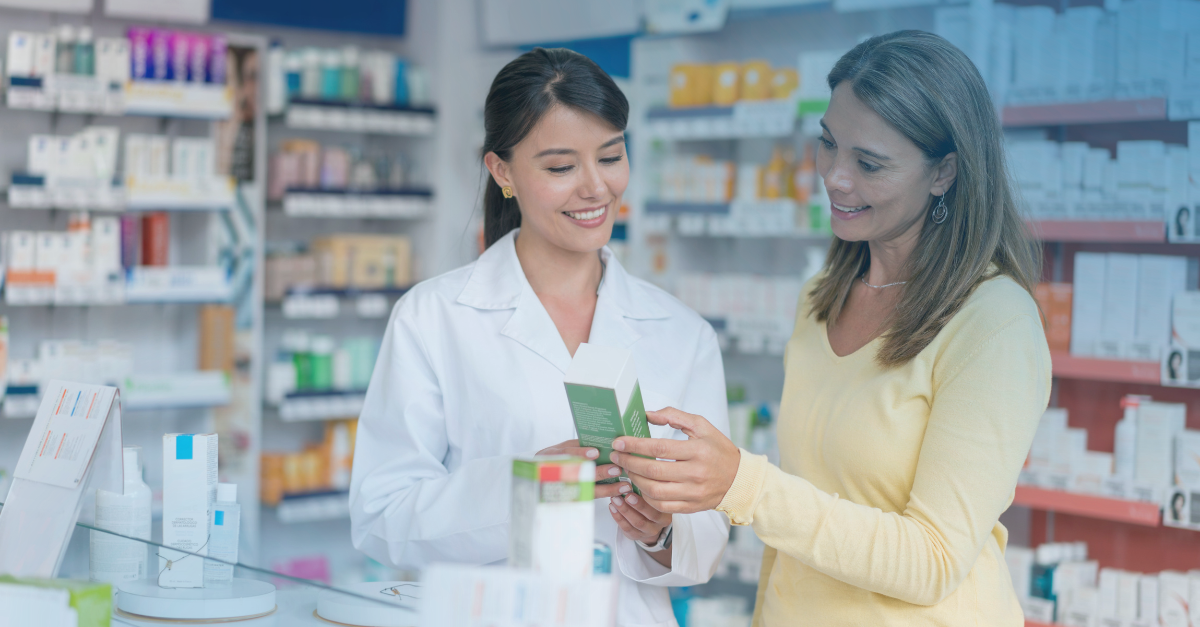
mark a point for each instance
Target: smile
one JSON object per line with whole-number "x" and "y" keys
{"x": 850, "y": 209}
{"x": 590, "y": 214}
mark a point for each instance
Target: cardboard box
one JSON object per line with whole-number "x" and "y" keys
{"x": 217, "y": 347}
{"x": 1148, "y": 599}
{"x": 1173, "y": 599}
{"x": 727, "y": 86}
{"x": 552, "y": 527}
{"x": 691, "y": 85}
{"x": 1160, "y": 277}
{"x": 364, "y": 261}
{"x": 1157, "y": 426}
{"x": 606, "y": 400}
{"x": 189, "y": 490}
{"x": 1055, "y": 302}
{"x": 1087, "y": 303}
{"x": 1119, "y": 318}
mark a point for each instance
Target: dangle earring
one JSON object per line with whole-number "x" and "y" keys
{"x": 940, "y": 211}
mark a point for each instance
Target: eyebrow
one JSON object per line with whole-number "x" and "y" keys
{"x": 619, "y": 139}
{"x": 869, "y": 153}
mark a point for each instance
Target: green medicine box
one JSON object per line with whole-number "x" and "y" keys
{"x": 92, "y": 601}
{"x": 605, "y": 398}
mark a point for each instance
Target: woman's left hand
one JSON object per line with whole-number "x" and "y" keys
{"x": 704, "y": 468}
{"x": 637, "y": 518}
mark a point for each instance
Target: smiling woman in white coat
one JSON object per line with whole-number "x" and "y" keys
{"x": 471, "y": 369}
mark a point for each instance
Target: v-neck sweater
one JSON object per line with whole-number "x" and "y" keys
{"x": 885, "y": 507}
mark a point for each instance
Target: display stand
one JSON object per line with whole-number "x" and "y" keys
{"x": 396, "y": 606}
{"x": 73, "y": 449}
{"x": 245, "y": 599}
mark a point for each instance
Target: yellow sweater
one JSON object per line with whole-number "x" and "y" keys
{"x": 884, "y": 510}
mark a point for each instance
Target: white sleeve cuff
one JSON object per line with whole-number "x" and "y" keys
{"x": 696, "y": 547}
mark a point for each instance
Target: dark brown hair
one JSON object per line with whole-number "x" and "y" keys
{"x": 931, "y": 93}
{"x": 521, "y": 94}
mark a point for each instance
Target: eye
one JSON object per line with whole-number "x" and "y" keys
{"x": 561, "y": 169}
{"x": 611, "y": 160}
{"x": 868, "y": 167}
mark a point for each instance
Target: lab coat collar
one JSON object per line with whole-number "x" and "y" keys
{"x": 497, "y": 282}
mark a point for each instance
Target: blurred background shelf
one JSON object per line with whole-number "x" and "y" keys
{"x": 1103, "y": 111}
{"x": 1118, "y": 510}
{"x": 1113, "y": 231}
{"x": 1115, "y": 370}
{"x": 313, "y": 507}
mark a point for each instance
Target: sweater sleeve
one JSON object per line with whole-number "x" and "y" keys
{"x": 764, "y": 575}
{"x": 985, "y": 410}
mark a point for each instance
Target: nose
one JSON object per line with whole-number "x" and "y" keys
{"x": 838, "y": 178}
{"x": 591, "y": 184}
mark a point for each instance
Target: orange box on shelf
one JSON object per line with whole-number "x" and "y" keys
{"x": 727, "y": 87}
{"x": 1055, "y": 302}
{"x": 784, "y": 81}
{"x": 364, "y": 261}
{"x": 217, "y": 350}
{"x": 156, "y": 238}
{"x": 691, "y": 85}
{"x": 756, "y": 80}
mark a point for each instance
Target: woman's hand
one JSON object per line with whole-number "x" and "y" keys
{"x": 704, "y": 467}
{"x": 638, "y": 519}
{"x": 603, "y": 471}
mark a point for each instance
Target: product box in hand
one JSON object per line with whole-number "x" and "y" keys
{"x": 189, "y": 491}
{"x": 605, "y": 398}
{"x": 552, "y": 528}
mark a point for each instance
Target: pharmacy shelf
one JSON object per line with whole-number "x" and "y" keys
{"x": 329, "y": 304}
{"x": 86, "y": 95}
{"x": 360, "y": 118}
{"x": 1031, "y": 623}
{"x": 805, "y": 236}
{"x": 684, "y": 208}
{"x": 768, "y": 118}
{"x": 322, "y": 203}
{"x": 1103, "y": 508}
{"x": 1068, "y": 366}
{"x": 1141, "y": 110}
{"x": 1111, "y": 231}
{"x": 29, "y": 191}
{"x": 313, "y": 507}
{"x": 140, "y": 393}
{"x": 308, "y": 406}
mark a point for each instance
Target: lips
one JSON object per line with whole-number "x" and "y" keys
{"x": 845, "y": 209}
{"x": 589, "y": 214}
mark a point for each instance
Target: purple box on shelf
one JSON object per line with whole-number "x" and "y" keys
{"x": 198, "y": 57}
{"x": 161, "y": 42}
{"x": 181, "y": 51}
{"x": 218, "y": 59}
{"x": 142, "y": 67}
{"x": 130, "y": 240}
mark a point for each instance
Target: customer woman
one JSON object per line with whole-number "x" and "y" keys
{"x": 915, "y": 377}
{"x": 471, "y": 370}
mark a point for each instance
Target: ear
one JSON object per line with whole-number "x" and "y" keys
{"x": 945, "y": 174}
{"x": 498, "y": 168}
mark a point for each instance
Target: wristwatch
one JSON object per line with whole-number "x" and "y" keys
{"x": 664, "y": 540}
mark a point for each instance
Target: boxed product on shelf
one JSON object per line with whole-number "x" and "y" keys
{"x": 217, "y": 331}
{"x": 304, "y": 165}
{"x": 81, "y": 265}
{"x": 1180, "y": 360}
{"x": 1119, "y": 302}
{"x": 322, "y": 466}
{"x": 759, "y": 312}
{"x": 1054, "y": 299}
{"x": 319, "y": 363}
{"x": 364, "y": 261}
{"x": 724, "y": 84}
{"x": 284, "y": 272}
{"x": 343, "y": 75}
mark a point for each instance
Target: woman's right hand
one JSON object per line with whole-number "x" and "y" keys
{"x": 603, "y": 471}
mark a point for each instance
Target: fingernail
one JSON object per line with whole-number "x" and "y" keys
{"x": 631, "y": 499}
{"x": 612, "y": 509}
{"x": 619, "y": 445}
{"x": 623, "y": 489}
{"x": 612, "y": 457}
{"x": 614, "y": 472}
{"x": 592, "y": 453}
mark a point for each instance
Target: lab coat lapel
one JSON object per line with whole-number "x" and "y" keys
{"x": 531, "y": 326}
{"x": 620, "y": 301}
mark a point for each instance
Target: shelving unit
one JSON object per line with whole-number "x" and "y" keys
{"x": 399, "y": 204}
{"x": 1099, "y": 507}
{"x": 313, "y": 507}
{"x": 328, "y": 304}
{"x": 1113, "y": 231}
{"x": 1115, "y": 370}
{"x": 360, "y": 118}
{"x": 315, "y": 406}
{"x": 741, "y": 121}
{"x": 1105, "y": 111}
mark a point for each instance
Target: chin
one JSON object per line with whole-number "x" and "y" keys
{"x": 586, "y": 240}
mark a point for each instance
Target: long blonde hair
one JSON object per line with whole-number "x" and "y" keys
{"x": 932, "y": 94}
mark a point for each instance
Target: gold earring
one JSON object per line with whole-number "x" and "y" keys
{"x": 507, "y": 191}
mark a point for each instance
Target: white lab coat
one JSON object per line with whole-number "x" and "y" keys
{"x": 471, "y": 374}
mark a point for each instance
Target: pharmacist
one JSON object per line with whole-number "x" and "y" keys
{"x": 471, "y": 369}
{"x": 915, "y": 376}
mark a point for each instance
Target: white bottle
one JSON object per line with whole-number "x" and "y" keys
{"x": 114, "y": 559}
{"x": 223, "y": 537}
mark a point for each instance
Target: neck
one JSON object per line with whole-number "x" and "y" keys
{"x": 889, "y": 258}
{"x": 552, "y": 270}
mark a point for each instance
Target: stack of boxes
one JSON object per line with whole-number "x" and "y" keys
{"x": 303, "y": 164}
{"x": 723, "y": 84}
{"x": 1057, "y": 583}
{"x": 320, "y": 467}
{"x": 1141, "y": 49}
{"x": 760, "y": 312}
{"x": 81, "y": 265}
{"x": 344, "y": 75}
{"x": 1152, "y": 453}
{"x": 1122, "y": 303}
{"x": 349, "y": 262}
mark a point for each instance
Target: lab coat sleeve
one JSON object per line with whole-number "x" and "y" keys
{"x": 698, "y": 539}
{"x": 406, "y": 508}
